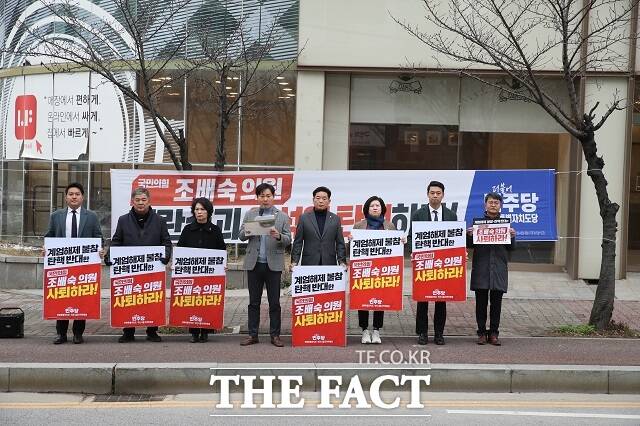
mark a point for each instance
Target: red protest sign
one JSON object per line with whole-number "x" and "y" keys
{"x": 137, "y": 287}
{"x": 197, "y": 288}
{"x": 318, "y": 306}
{"x": 439, "y": 261}
{"x": 71, "y": 287}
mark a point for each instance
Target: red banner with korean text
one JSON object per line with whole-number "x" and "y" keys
{"x": 197, "y": 288}
{"x": 71, "y": 287}
{"x": 137, "y": 286}
{"x": 439, "y": 261}
{"x": 318, "y": 306}
{"x": 375, "y": 270}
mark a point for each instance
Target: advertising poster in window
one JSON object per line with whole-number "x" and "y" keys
{"x": 197, "y": 288}
{"x": 71, "y": 276}
{"x": 318, "y": 306}
{"x": 376, "y": 266}
{"x": 438, "y": 261}
{"x": 137, "y": 286}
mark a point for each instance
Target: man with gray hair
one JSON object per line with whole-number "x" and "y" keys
{"x": 141, "y": 227}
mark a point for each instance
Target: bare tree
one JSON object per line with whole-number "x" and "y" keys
{"x": 238, "y": 65}
{"x": 136, "y": 50}
{"x": 522, "y": 37}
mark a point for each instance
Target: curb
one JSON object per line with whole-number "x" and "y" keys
{"x": 137, "y": 378}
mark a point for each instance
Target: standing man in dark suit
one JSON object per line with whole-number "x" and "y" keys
{"x": 264, "y": 263}
{"x": 319, "y": 239}
{"x": 142, "y": 226}
{"x": 435, "y": 211}
{"x": 73, "y": 222}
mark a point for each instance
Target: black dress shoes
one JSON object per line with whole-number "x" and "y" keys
{"x": 60, "y": 338}
{"x": 153, "y": 337}
{"x": 204, "y": 336}
{"x": 125, "y": 338}
{"x": 422, "y": 339}
{"x": 77, "y": 339}
{"x": 439, "y": 340}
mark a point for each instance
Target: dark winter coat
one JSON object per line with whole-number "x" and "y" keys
{"x": 154, "y": 232}
{"x": 204, "y": 236}
{"x": 489, "y": 269}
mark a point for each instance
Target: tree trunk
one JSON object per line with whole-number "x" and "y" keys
{"x": 184, "y": 151}
{"x": 602, "y": 309}
{"x": 223, "y": 123}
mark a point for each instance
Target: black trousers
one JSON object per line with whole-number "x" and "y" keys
{"x": 482, "y": 299}
{"x": 131, "y": 331}
{"x": 363, "y": 319}
{"x": 258, "y": 278}
{"x": 439, "y": 318}
{"x": 63, "y": 325}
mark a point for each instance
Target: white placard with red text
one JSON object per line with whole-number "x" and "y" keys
{"x": 439, "y": 261}
{"x": 318, "y": 316}
{"x": 376, "y": 266}
{"x": 137, "y": 286}
{"x": 197, "y": 288}
{"x": 491, "y": 231}
{"x": 71, "y": 287}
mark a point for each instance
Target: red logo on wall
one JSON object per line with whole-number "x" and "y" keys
{"x": 26, "y": 111}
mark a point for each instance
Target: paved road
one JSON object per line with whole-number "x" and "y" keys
{"x": 440, "y": 409}
{"x": 226, "y": 348}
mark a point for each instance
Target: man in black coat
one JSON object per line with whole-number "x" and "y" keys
{"x": 141, "y": 227}
{"x": 489, "y": 274}
{"x": 434, "y": 211}
{"x": 74, "y": 221}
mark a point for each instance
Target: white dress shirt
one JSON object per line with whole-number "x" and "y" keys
{"x": 439, "y": 210}
{"x": 68, "y": 223}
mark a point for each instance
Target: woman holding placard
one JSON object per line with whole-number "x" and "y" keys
{"x": 374, "y": 210}
{"x": 201, "y": 233}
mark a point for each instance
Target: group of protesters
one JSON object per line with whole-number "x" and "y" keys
{"x": 319, "y": 240}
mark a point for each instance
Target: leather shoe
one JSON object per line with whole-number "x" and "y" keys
{"x": 77, "y": 339}
{"x": 494, "y": 340}
{"x": 439, "y": 340}
{"x": 251, "y": 340}
{"x": 60, "y": 338}
{"x": 194, "y": 338}
{"x": 422, "y": 339}
{"x": 482, "y": 339}
{"x": 154, "y": 338}
{"x": 204, "y": 337}
{"x": 125, "y": 338}
{"x": 275, "y": 341}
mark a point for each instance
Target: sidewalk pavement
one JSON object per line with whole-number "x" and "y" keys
{"x": 535, "y": 303}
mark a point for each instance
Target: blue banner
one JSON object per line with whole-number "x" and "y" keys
{"x": 528, "y": 200}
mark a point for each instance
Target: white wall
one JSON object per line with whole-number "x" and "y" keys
{"x": 335, "y": 151}
{"x": 611, "y": 146}
{"x": 309, "y": 120}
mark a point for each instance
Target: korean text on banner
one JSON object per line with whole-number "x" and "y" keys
{"x": 491, "y": 231}
{"x": 376, "y": 270}
{"x": 318, "y": 306}
{"x": 197, "y": 288}
{"x": 71, "y": 287}
{"x": 137, "y": 286}
{"x": 439, "y": 261}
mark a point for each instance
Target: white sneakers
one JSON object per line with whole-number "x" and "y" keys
{"x": 375, "y": 337}
{"x": 370, "y": 337}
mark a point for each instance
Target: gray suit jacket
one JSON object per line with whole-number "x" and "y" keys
{"x": 88, "y": 227}
{"x": 316, "y": 249}
{"x": 275, "y": 248}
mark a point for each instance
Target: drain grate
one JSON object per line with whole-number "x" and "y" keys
{"x": 128, "y": 398}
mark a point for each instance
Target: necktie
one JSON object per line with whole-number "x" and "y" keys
{"x": 435, "y": 215}
{"x": 74, "y": 225}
